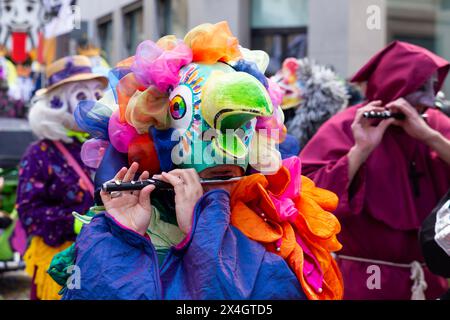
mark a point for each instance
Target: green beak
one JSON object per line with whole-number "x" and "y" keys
{"x": 230, "y": 100}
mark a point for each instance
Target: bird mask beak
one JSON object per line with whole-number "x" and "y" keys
{"x": 229, "y": 101}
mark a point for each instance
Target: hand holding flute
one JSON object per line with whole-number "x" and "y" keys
{"x": 386, "y": 114}
{"x": 133, "y": 209}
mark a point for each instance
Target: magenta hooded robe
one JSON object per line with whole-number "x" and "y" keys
{"x": 383, "y": 208}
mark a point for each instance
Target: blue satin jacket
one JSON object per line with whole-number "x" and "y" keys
{"x": 215, "y": 261}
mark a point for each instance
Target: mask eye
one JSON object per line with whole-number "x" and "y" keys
{"x": 178, "y": 107}
{"x": 98, "y": 94}
{"x": 75, "y": 94}
{"x": 56, "y": 103}
{"x": 181, "y": 107}
{"x": 81, "y": 96}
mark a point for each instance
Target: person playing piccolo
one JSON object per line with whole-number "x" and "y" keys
{"x": 388, "y": 173}
{"x": 183, "y": 112}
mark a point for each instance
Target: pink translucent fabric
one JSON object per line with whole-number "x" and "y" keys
{"x": 273, "y": 125}
{"x": 92, "y": 152}
{"x": 126, "y": 88}
{"x": 155, "y": 66}
{"x": 275, "y": 93}
{"x": 120, "y": 134}
{"x": 284, "y": 203}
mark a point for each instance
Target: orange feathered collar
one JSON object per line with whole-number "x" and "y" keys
{"x": 305, "y": 238}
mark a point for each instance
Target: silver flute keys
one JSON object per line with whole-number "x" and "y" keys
{"x": 383, "y": 115}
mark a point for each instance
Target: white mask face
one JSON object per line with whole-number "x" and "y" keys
{"x": 69, "y": 95}
{"x": 20, "y": 16}
{"x": 57, "y": 100}
{"x": 84, "y": 90}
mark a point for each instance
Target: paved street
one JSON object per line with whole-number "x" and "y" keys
{"x": 14, "y": 286}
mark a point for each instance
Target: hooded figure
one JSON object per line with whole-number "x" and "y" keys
{"x": 383, "y": 203}
{"x": 181, "y": 110}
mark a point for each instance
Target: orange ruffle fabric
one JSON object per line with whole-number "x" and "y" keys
{"x": 211, "y": 43}
{"x": 125, "y": 63}
{"x": 126, "y": 88}
{"x": 147, "y": 109}
{"x": 167, "y": 43}
{"x": 314, "y": 224}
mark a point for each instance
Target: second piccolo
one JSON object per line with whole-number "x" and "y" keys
{"x": 386, "y": 115}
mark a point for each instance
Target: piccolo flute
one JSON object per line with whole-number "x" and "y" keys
{"x": 114, "y": 186}
{"x": 386, "y": 115}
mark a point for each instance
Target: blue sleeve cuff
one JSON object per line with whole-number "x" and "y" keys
{"x": 220, "y": 199}
{"x": 125, "y": 234}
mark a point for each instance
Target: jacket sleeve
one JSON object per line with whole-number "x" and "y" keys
{"x": 40, "y": 215}
{"x": 113, "y": 263}
{"x": 214, "y": 261}
{"x": 217, "y": 261}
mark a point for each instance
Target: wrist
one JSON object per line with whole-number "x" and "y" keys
{"x": 431, "y": 137}
{"x": 125, "y": 223}
{"x": 360, "y": 153}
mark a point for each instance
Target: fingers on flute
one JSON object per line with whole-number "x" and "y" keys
{"x": 131, "y": 172}
{"x": 175, "y": 181}
{"x": 186, "y": 175}
{"x": 384, "y": 124}
{"x": 144, "y": 196}
{"x": 144, "y": 176}
{"x": 376, "y": 103}
{"x": 360, "y": 113}
{"x": 118, "y": 177}
{"x": 121, "y": 174}
{"x": 158, "y": 177}
{"x": 407, "y": 110}
{"x": 161, "y": 177}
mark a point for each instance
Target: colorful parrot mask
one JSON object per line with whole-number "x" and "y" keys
{"x": 214, "y": 109}
{"x": 196, "y": 103}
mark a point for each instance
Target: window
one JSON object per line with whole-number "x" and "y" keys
{"x": 163, "y": 17}
{"x": 279, "y": 27}
{"x": 412, "y": 21}
{"x": 105, "y": 35}
{"x": 279, "y": 13}
{"x": 133, "y": 27}
{"x": 178, "y": 17}
{"x": 172, "y": 17}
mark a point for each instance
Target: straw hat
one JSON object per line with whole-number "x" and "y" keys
{"x": 70, "y": 69}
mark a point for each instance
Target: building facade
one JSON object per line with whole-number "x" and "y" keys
{"x": 340, "y": 33}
